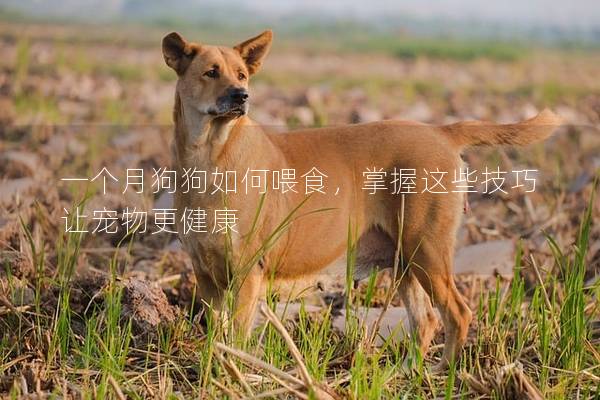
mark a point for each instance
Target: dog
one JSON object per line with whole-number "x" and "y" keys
{"x": 415, "y": 231}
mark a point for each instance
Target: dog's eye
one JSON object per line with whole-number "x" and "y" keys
{"x": 241, "y": 76}
{"x": 213, "y": 73}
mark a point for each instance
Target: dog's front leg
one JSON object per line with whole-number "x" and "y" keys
{"x": 210, "y": 295}
{"x": 246, "y": 300}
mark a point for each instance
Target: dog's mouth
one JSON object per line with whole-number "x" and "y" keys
{"x": 226, "y": 107}
{"x": 237, "y": 111}
{"x": 233, "y": 112}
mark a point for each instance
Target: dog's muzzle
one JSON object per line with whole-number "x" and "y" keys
{"x": 233, "y": 103}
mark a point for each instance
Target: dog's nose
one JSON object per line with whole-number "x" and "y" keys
{"x": 238, "y": 95}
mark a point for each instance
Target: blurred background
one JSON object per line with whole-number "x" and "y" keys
{"x": 83, "y": 86}
{"x": 335, "y": 62}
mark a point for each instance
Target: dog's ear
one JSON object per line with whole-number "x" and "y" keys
{"x": 178, "y": 53}
{"x": 254, "y": 50}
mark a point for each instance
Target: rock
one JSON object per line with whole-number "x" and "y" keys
{"x": 148, "y": 308}
{"x": 145, "y": 305}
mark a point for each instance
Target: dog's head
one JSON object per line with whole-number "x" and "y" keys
{"x": 214, "y": 79}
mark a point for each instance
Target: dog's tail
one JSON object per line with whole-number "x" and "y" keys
{"x": 477, "y": 133}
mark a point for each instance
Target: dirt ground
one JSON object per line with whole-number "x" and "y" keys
{"x": 70, "y": 107}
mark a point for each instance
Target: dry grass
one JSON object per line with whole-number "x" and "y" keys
{"x": 69, "y": 326}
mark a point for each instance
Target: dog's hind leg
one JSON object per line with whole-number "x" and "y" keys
{"x": 421, "y": 316}
{"x": 433, "y": 269}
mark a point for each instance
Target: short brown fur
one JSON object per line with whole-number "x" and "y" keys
{"x": 207, "y": 138}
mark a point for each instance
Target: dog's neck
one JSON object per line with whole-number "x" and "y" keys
{"x": 202, "y": 140}
{"x": 198, "y": 134}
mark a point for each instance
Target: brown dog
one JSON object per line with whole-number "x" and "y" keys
{"x": 296, "y": 235}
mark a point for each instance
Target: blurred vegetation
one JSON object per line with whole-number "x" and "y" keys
{"x": 312, "y": 36}
{"x": 407, "y": 47}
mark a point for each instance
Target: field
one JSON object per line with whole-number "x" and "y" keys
{"x": 87, "y": 315}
